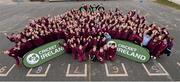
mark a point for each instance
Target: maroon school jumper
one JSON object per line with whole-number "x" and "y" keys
{"x": 100, "y": 56}
{"x": 94, "y": 41}
{"x": 81, "y": 54}
{"x": 74, "y": 52}
{"x": 89, "y": 46}
{"x": 132, "y": 37}
{"x": 92, "y": 54}
{"x": 124, "y": 35}
{"x": 29, "y": 45}
{"x": 38, "y": 42}
{"x": 135, "y": 38}
{"x": 113, "y": 33}
{"x": 159, "y": 49}
{"x": 106, "y": 53}
{"x": 12, "y": 51}
{"x": 61, "y": 35}
{"x": 13, "y": 39}
{"x": 50, "y": 36}
{"x": 67, "y": 48}
{"x": 23, "y": 50}
{"x": 152, "y": 45}
{"x": 138, "y": 39}
{"x": 112, "y": 54}
{"x": 102, "y": 43}
{"x": 118, "y": 35}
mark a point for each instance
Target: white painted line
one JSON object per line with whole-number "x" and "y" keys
{"x": 156, "y": 74}
{"x": 6, "y": 74}
{"x": 38, "y": 75}
{"x": 76, "y": 75}
{"x": 116, "y": 75}
{"x": 178, "y": 63}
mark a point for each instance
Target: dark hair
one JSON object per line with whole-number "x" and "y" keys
{"x": 149, "y": 33}
{"x": 113, "y": 44}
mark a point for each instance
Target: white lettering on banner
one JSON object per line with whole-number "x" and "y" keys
{"x": 136, "y": 55}
{"x": 127, "y": 47}
{"x": 47, "y": 49}
{"x": 50, "y": 53}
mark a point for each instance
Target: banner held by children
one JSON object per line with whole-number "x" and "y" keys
{"x": 43, "y": 54}
{"x": 131, "y": 51}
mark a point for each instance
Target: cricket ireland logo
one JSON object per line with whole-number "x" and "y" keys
{"x": 33, "y": 58}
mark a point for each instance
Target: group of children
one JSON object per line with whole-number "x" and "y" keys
{"x": 86, "y": 33}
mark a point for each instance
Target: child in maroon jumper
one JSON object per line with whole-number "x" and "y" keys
{"x": 81, "y": 52}
{"x": 153, "y": 44}
{"x": 100, "y": 55}
{"x": 112, "y": 52}
{"x": 160, "y": 48}
{"x": 92, "y": 54}
{"x": 106, "y": 52}
{"x": 169, "y": 46}
{"x": 125, "y": 34}
{"x": 74, "y": 51}
{"x": 118, "y": 34}
{"x": 13, "y": 53}
{"x": 132, "y": 36}
{"x": 37, "y": 41}
{"x": 66, "y": 47}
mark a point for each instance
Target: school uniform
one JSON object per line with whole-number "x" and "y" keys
{"x": 101, "y": 43}
{"x": 159, "y": 49}
{"x": 111, "y": 54}
{"x": 132, "y": 37}
{"x": 81, "y": 53}
{"x": 124, "y": 35}
{"x": 92, "y": 55}
{"x": 74, "y": 52}
{"x": 38, "y": 42}
{"x": 12, "y": 51}
{"x": 138, "y": 39}
{"x": 118, "y": 35}
{"x": 152, "y": 45}
{"x": 100, "y": 56}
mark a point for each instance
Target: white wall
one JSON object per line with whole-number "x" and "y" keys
{"x": 6, "y": 0}
{"x": 175, "y": 1}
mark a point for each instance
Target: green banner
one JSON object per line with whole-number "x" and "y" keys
{"x": 131, "y": 51}
{"x": 43, "y": 54}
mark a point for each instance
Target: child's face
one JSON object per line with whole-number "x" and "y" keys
{"x": 94, "y": 48}
{"x": 80, "y": 47}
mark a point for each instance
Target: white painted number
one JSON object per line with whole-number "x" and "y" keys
{"x": 76, "y": 70}
{"x": 115, "y": 69}
{"x": 39, "y": 69}
{"x": 155, "y": 68}
{"x": 2, "y": 69}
